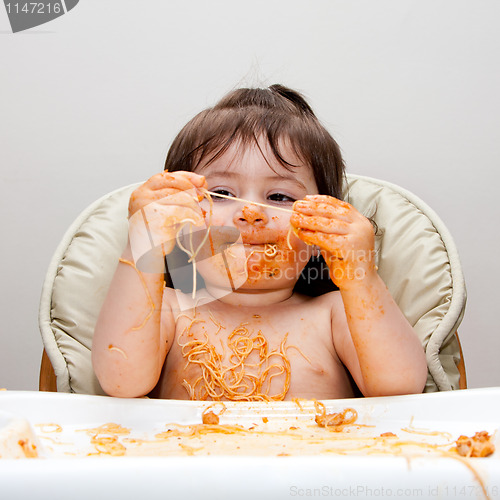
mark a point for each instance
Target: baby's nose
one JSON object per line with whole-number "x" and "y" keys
{"x": 252, "y": 214}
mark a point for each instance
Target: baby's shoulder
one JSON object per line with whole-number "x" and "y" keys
{"x": 326, "y": 309}
{"x": 330, "y": 303}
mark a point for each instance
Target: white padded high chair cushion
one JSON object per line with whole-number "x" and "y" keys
{"x": 76, "y": 284}
{"x": 419, "y": 262}
{"x": 416, "y": 257}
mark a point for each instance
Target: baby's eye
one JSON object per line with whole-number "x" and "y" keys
{"x": 223, "y": 192}
{"x": 280, "y": 198}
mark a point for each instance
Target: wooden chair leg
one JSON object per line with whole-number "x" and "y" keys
{"x": 48, "y": 381}
{"x": 461, "y": 367}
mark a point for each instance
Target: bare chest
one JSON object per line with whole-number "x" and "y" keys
{"x": 246, "y": 355}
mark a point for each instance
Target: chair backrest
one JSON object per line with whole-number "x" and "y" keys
{"x": 416, "y": 257}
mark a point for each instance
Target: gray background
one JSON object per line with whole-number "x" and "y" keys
{"x": 91, "y": 101}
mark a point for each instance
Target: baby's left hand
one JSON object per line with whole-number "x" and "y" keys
{"x": 345, "y": 237}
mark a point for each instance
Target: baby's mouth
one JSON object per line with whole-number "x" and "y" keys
{"x": 230, "y": 240}
{"x": 256, "y": 244}
{"x": 244, "y": 245}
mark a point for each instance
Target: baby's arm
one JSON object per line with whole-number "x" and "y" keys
{"x": 372, "y": 338}
{"x": 133, "y": 334}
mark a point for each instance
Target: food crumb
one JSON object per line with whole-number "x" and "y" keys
{"x": 479, "y": 445}
{"x": 210, "y": 418}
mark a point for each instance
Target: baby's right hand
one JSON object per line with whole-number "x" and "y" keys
{"x": 166, "y": 184}
{"x": 164, "y": 201}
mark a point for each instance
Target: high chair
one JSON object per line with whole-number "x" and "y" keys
{"x": 416, "y": 258}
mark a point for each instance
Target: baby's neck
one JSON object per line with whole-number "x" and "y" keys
{"x": 256, "y": 298}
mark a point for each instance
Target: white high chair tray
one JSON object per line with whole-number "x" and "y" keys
{"x": 264, "y": 458}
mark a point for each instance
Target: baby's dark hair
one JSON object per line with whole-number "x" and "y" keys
{"x": 281, "y": 116}
{"x": 278, "y": 114}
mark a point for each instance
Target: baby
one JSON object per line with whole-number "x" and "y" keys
{"x": 251, "y": 192}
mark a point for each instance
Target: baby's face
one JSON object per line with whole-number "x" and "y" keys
{"x": 267, "y": 254}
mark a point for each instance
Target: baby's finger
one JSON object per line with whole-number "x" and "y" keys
{"x": 315, "y": 238}
{"x": 324, "y": 198}
{"x": 162, "y": 217}
{"x": 329, "y": 242}
{"x": 197, "y": 180}
{"x": 329, "y": 210}
{"x": 186, "y": 198}
{"x": 174, "y": 180}
{"x": 319, "y": 224}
